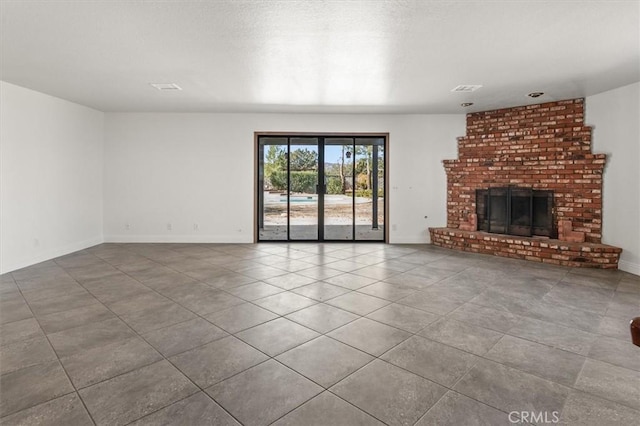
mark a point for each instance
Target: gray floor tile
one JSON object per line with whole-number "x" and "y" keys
{"x": 209, "y": 364}
{"x": 357, "y": 303}
{"x": 264, "y": 273}
{"x": 319, "y": 272}
{"x": 322, "y": 318}
{"x": 404, "y": 317}
{"x": 376, "y": 272}
{"x": 290, "y": 265}
{"x": 564, "y": 315}
{"x": 202, "y": 299}
{"x": 65, "y": 410}
{"x": 327, "y": 409}
{"x": 543, "y": 361}
{"x": 611, "y": 382}
{"x": 462, "y": 335}
{"x": 320, "y": 291}
{"x": 285, "y": 303}
{"x": 111, "y": 292}
{"x": 75, "y": 317}
{"x": 324, "y": 360}
{"x": 509, "y": 389}
{"x": 130, "y": 396}
{"x": 161, "y": 316}
{"x": 387, "y": 291}
{"x": 350, "y": 281}
{"x": 277, "y": 336}
{"x": 18, "y": 331}
{"x": 554, "y": 317}
{"x": 32, "y": 386}
{"x": 504, "y": 301}
{"x": 264, "y": 393}
{"x": 51, "y": 292}
{"x": 255, "y": 291}
{"x": 629, "y": 286}
{"x": 62, "y": 303}
{"x": 183, "y": 336}
{"x": 25, "y": 353}
{"x": 431, "y": 360}
{"x": 240, "y": 317}
{"x": 170, "y": 280}
{"x": 587, "y": 410}
{"x": 607, "y": 281}
{"x": 348, "y": 265}
{"x": 369, "y": 336}
{"x": 143, "y": 302}
{"x": 45, "y": 283}
{"x": 104, "y": 362}
{"x": 145, "y": 271}
{"x": 485, "y": 317}
{"x": 455, "y": 409}
{"x": 229, "y": 280}
{"x": 437, "y": 300}
{"x": 78, "y": 339}
{"x": 616, "y": 352}
{"x": 615, "y": 327}
{"x": 624, "y": 305}
{"x": 576, "y": 296}
{"x": 199, "y": 270}
{"x": 414, "y": 281}
{"x": 431, "y": 272}
{"x": 389, "y": 393}
{"x": 198, "y": 409}
{"x": 557, "y": 336}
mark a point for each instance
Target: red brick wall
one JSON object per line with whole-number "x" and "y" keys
{"x": 544, "y": 146}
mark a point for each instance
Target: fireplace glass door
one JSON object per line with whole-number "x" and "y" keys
{"x": 515, "y": 211}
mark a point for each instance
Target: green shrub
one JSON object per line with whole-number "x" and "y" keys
{"x": 304, "y": 182}
{"x": 300, "y": 181}
{"x": 277, "y": 179}
{"x": 333, "y": 185}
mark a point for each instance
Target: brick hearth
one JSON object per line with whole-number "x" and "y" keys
{"x": 536, "y": 249}
{"x": 543, "y": 146}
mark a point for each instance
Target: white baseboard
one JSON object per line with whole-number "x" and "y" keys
{"x": 50, "y": 254}
{"x": 223, "y": 239}
{"x": 631, "y": 267}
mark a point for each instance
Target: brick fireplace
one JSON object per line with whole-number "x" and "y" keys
{"x": 543, "y": 148}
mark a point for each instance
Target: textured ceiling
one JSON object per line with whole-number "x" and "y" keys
{"x": 318, "y": 56}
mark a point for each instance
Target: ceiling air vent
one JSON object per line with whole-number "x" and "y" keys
{"x": 166, "y": 86}
{"x": 465, "y": 88}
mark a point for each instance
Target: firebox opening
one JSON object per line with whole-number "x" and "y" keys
{"x": 515, "y": 211}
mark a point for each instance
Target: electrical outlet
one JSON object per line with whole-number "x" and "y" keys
{"x": 195, "y": 227}
{"x": 169, "y": 227}
{"x": 127, "y": 227}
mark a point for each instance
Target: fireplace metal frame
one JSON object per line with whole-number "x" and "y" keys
{"x": 484, "y": 201}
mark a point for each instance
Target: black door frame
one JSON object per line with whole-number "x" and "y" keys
{"x": 259, "y": 187}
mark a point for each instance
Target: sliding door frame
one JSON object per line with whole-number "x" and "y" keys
{"x": 319, "y": 135}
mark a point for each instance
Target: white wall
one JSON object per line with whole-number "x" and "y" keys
{"x": 50, "y": 177}
{"x": 183, "y": 169}
{"x": 615, "y": 117}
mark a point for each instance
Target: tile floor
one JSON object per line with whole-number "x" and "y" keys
{"x": 314, "y": 334}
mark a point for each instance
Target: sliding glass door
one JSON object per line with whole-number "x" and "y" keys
{"x": 315, "y": 188}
